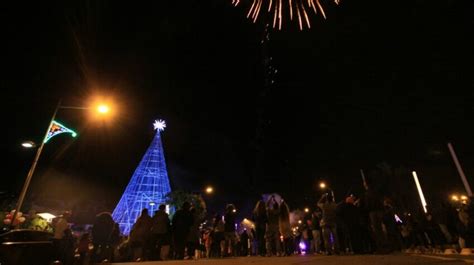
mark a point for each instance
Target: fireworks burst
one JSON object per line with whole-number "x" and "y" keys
{"x": 299, "y": 10}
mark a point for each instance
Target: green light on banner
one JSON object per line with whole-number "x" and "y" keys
{"x": 57, "y": 128}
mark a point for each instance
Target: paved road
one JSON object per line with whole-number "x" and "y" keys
{"x": 327, "y": 260}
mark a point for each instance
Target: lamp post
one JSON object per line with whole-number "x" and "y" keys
{"x": 38, "y": 154}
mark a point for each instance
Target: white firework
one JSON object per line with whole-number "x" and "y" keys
{"x": 159, "y": 125}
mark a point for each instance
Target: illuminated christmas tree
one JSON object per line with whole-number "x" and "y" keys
{"x": 148, "y": 186}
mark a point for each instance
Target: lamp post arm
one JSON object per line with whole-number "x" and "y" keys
{"x": 33, "y": 167}
{"x": 74, "y": 107}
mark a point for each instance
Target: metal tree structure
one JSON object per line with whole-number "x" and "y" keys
{"x": 148, "y": 186}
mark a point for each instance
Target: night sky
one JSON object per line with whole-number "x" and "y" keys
{"x": 376, "y": 84}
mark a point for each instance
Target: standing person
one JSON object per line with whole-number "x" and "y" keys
{"x": 194, "y": 234}
{"x": 104, "y": 231}
{"x": 329, "y": 223}
{"x": 139, "y": 236}
{"x": 260, "y": 218}
{"x": 316, "y": 231}
{"x": 62, "y": 238}
{"x": 285, "y": 229}
{"x": 374, "y": 206}
{"x": 393, "y": 235}
{"x": 181, "y": 223}
{"x": 229, "y": 230}
{"x": 272, "y": 235}
{"x": 217, "y": 237}
{"x": 160, "y": 230}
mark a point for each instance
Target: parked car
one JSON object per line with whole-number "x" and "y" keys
{"x": 26, "y": 247}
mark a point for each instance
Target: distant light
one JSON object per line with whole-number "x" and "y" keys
{"x": 455, "y": 198}
{"x": 103, "y": 109}
{"x": 464, "y": 198}
{"x": 322, "y": 185}
{"x": 159, "y": 125}
{"x": 28, "y": 144}
{"x": 299, "y": 221}
{"x": 234, "y": 211}
{"x": 47, "y": 216}
{"x": 306, "y": 210}
{"x": 209, "y": 190}
{"x": 152, "y": 204}
{"x": 302, "y": 245}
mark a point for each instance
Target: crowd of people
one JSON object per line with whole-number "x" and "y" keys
{"x": 368, "y": 224}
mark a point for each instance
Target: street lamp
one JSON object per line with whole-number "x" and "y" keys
{"x": 28, "y": 144}
{"x": 322, "y": 185}
{"x": 306, "y": 210}
{"x": 102, "y": 108}
{"x": 455, "y": 198}
{"x": 40, "y": 149}
{"x": 209, "y": 190}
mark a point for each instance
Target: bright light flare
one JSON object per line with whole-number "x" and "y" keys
{"x": 28, "y": 144}
{"x": 306, "y": 210}
{"x": 420, "y": 192}
{"x": 102, "y": 109}
{"x": 209, "y": 190}
{"x": 464, "y": 198}
{"x": 159, "y": 125}
{"x": 455, "y": 198}
{"x": 322, "y": 185}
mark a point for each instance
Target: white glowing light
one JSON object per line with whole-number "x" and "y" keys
{"x": 28, "y": 144}
{"x": 47, "y": 216}
{"x": 159, "y": 125}
{"x": 420, "y": 192}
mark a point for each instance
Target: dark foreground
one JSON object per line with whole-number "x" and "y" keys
{"x": 327, "y": 260}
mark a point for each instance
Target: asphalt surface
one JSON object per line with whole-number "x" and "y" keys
{"x": 401, "y": 259}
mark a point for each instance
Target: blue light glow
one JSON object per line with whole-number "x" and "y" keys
{"x": 147, "y": 188}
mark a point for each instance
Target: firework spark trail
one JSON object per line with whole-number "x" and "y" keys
{"x": 279, "y": 15}
{"x": 280, "y": 8}
{"x": 299, "y": 17}
{"x": 291, "y": 10}
{"x": 321, "y": 8}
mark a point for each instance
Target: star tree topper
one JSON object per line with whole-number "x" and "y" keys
{"x": 159, "y": 125}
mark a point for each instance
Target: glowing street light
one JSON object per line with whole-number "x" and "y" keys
{"x": 454, "y": 198}
{"x": 28, "y": 144}
{"x": 102, "y": 108}
{"x": 464, "y": 198}
{"x": 53, "y": 129}
{"x": 306, "y": 210}
{"x": 209, "y": 190}
{"x": 322, "y": 185}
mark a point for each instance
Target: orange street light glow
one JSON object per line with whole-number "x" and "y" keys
{"x": 209, "y": 190}
{"x": 102, "y": 108}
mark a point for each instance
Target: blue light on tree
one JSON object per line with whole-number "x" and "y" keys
{"x": 148, "y": 186}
